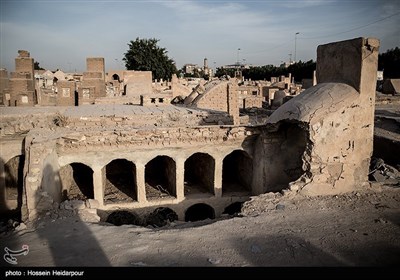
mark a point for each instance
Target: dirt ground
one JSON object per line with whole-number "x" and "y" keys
{"x": 355, "y": 229}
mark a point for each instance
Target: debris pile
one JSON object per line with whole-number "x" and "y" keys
{"x": 384, "y": 173}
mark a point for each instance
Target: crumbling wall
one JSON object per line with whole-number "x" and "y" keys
{"x": 66, "y": 93}
{"x": 42, "y": 185}
{"x": 252, "y": 101}
{"x": 339, "y": 116}
{"x": 178, "y": 89}
{"x": 280, "y": 156}
{"x": 215, "y": 98}
{"x": 21, "y": 86}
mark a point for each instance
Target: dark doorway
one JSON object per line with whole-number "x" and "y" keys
{"x": 237, "y": 173}
{"x": 14, "y": 181}
{"x": 233, "y": 209}
{"x": 199, "y": 174}
{"x": 115, "y": 77}
{"x": 76, "y": 95}
{"x": 161, "y": 217}
{"x": 120, "y": 185}
{"x": 119, "y": 218}
{"x": 160, "y": 177}
{"x": 199, "y": 212}
{"x": 77, "y": 181}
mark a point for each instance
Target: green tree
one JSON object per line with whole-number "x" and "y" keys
{"x": 389, "y": 63}
{"x": 36, "y": 66}
{"x": 145, "y": 55}
{"x": 225, "y": 71}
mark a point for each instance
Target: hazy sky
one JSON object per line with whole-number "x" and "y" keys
{"x": 61, "y": 34}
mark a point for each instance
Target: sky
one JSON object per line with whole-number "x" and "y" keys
{"x": 61, "y": 34}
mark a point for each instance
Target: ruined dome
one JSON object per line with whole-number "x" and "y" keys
{"x": 315, "y": 103}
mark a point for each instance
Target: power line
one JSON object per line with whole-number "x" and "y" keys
{"x": 356, "y": 28}
{"x": 270, "y": 49}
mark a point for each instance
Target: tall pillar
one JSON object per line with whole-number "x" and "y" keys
{"x": 218, "y": 177}
{"x": 180, "y": 174}
{"x": 233, "y": 103}
{"x": 98, "y": 185}
{"x": 140, "y": 182}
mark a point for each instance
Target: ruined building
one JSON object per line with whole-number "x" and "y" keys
{"x": 21, "y": 85}
{"x": 143, "y": 158}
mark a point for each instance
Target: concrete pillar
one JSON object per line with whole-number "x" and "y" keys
{"x": 140, "y": 182}
{"x": 180, "y": 174}
{"x": 218, "y": 177}
{"x": 98, "y": 185}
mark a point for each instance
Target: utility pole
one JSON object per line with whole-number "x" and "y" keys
{"x": 295, "y": 45}
{"x": 237, "y": 61}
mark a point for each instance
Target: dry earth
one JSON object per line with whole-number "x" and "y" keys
{"x": 355, "y": 229}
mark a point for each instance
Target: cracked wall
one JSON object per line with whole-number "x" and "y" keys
{"x": 339, "y": 115}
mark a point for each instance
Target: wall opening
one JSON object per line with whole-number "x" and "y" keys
{"x": 123, "y": 217}
{"x": 77, "y": 181}
{"x": 288, "y": 166}
{"x": 76, "y": 98}
{"x": 115, "y": 77}
{"x": 14, "y": 181}
{"x": 199, "y": 174}
{"x": 160, "y": 178}
{"x": 237, "y": 173}
{"x": 161, "y": 217}
{"x": 199, "y": 212}
{"x": 233, "y": 209}
{"x": 120, "y": 183}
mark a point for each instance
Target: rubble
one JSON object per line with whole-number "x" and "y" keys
{"x": 384, "y": 173}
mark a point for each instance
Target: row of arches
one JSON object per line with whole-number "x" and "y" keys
{"x": 161, "y": 216}
{"x": 120, "y": 182}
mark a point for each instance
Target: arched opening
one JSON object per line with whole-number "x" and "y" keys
{"x": 237, "y": 173}
{"x": 119, "y": 218}
{"x": 115, "y": 77}
{"x": 77, "y": 181}
{"x": 161, "y": 217}
{"x": 14, "y": 182}
{"x": 199, "y": 212}
{"x": 120, "y": 183}
{"x": 233, "y": 209}
{"x": 199, "y": 174}
{"x": 160, "y": 178}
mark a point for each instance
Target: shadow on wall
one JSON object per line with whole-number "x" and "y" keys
{"x": 287, "y": 158}
{"x": 70, "y": 241}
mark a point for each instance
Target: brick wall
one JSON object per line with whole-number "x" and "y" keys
{"x": 24, "y": 64}
{"x": 96, "y": 64}
{"x": 252, "y": 101}
{"x": 66, "y": 93}
{"x": 215, "y": 99}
